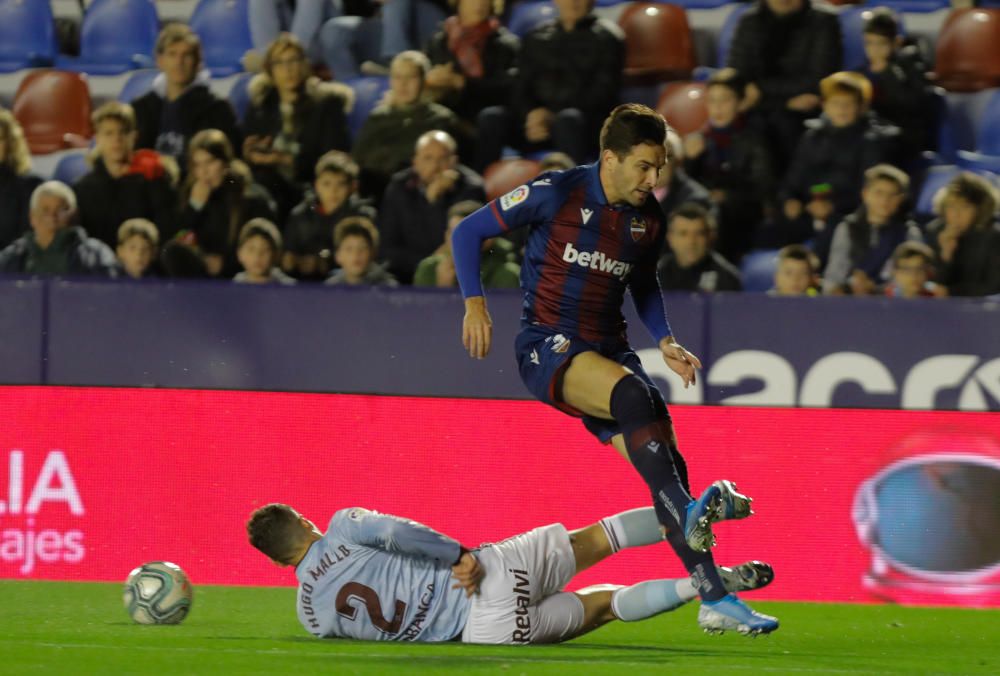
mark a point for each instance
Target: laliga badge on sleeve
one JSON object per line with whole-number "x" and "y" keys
{"x": 514, "y": 197}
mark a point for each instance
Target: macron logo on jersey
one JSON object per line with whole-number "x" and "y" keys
{"x": 596, "y": 260}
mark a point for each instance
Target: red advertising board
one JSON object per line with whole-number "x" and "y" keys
{"x": 850, "y": 505}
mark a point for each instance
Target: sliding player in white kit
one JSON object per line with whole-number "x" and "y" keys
{"x": 378, "y": 577}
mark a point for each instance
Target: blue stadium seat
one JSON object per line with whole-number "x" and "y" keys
{"x": 368, "y": 92}
{"x": 852, "y": 23}
{"x": 988, "y": 132}
{"x": 962, "y": 117}
{"x": 699, "y": 4}
{"x": 914, "y": 6}
{"x": 934, "y": 180}
{"x": 138, "y": 83}
{"x": 116, "y": 36}
{"x": 27, "y": 35}
{"x": 757, "y": 270}
{"x": 71, "y": 166}
{"x": 727, "y": 31}
{"x": 526, "y": 16}
{"x": 239, "y": 95}
{"x": 224, "y": 29}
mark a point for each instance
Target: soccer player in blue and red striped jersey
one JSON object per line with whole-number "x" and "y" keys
{"x": 593, "y": 233}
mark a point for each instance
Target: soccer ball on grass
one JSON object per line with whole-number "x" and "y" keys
{"x": 157, "y": 593}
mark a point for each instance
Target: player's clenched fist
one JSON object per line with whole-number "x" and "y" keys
{"x": 680, "y": 361}
{"x": 477, "y": 328}
{"x": 467, "y": 574}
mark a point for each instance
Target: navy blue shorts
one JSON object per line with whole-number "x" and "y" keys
{"x": 543, "y": 355}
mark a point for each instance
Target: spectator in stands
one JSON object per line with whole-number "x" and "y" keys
{"x": 301, "y": 18}
{"x": 385, "y": 142}
{"x": 912, "y": 264}
{"x": 259, "y": 250}
{"x": 54, "y": 246}
{"x": 783, "y": 48}
{"x": 797, "y": 272}
{"x": 555, "y": 161}
{"x": 901, "y": 92}
{"x": 16, "y": 180}
{"x": 966, "y": 236}
{"x": 380, "y": 30}
{"x": 414, "y": 213}
{"x": 180, "y": 103}
{"x": 124, "y": 183}
{"x": 569, "y": 76}
{"x": 474, "y": 61}
{"x": 825, "y": 178}
{"x": 219, "y": 196}
{"x": 676, "y": 187}
{"x": 309, "y": 232}
{"x": 355, "y": 240}
{"x": 138, "y": 244}
{"x": 863, "y": 242}
{"x": 292, "y": 119}
{"x": 729, "y": 156}
{"x": 691, "y": 264}
{"x": 498, "y": 266}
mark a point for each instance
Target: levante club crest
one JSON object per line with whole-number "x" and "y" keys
{"x": 637, "y": 227}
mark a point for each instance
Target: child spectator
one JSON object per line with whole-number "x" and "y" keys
{"x": 912, "y": 263}
{"x": 356, "y": 242}
{"x": 138, "y": 241}
{"x": 308, "y": 234}
{"x": 293, "y": 118}
{"x": 899, "y": 81}
{"x": 831, "y": 158}
{"x": 555, "y": 161}
{"x": 497, "y": 261}
{"x": 966, "y": 236}
{"x": 16, "y": 180}
{"x": 124, "y": 183}
{"x": 796, "y": 274}
{"x": 259, "y": 251}
{"x": 218, "y": 197}
{"x": 731, "y": 159}
{"x": 691, "y": 264}
{"x": 864, "y": 241}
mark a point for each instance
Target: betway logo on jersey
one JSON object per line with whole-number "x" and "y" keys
{"x": 596, "y": 260}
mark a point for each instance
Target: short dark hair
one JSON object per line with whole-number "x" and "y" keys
{"x": 887, "y": 172}
{"x": 261, "y": 227}
{"x": 356, "y": 226}
{"x": 274, "y": 530}
{"x": 629, "y": 125}
{"x": 799, "y": 252}
{"x": 881, "y": 21}
{"x": 912, "y": 250}
{"x": 693, "y": 211}
{"x": 729, "y": 78}
{"x": 338, "y": 162}
{"x": 463, "y": 208}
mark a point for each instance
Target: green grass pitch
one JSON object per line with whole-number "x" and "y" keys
{"x": 70, "y": 628}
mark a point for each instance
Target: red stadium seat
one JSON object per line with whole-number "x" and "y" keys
{"x": 53, "y": 108}
{"x": 968, "y": 50}
{"x": 503, "y": 176}
{"x": 683, "y": 106}
{"x": 658, "y": 44}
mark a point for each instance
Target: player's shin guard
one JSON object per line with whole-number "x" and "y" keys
{"x": 648, "y": 441}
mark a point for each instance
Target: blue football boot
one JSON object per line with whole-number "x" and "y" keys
{"x": 716, "y": 617}
{"x": 719, "y": 502}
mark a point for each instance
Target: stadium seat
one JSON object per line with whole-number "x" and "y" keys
{"x": 988, "y": 130}
{"x": 27, "y": 35}
{"x": 852, "y": 23}
{"x": 658, "y": 42}
{"x": 224, "y": 29}
{"x": 968, "y": 50}
{"x": 728, "y": 30}
{"x": 239, "y": 95}
{"x": 368, "y": 91}
{"x": 503, "y": 176}
{"x": 683, "y": 106}
{"x": 912, "y": 6}
{"x": 116, "y": 36}
{"x": 757, "y": 270}
{"x": 701, "y": 4}
{"x": 53, "y": 108}
{"x": 138, "y": 83}
{"x": 71, "y": 166}
{"x": 526, "y": 16}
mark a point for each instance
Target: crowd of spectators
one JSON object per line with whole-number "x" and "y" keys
{"x": 797, "y": 155}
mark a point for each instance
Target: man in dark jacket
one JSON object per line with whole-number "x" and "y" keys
{"x": 414, "y": 213}
{"x": 691, "y": 264}
{"x": 569, "y": 76}
{"x": 53, "y": 246}
{"x": 180, "y": 103}
{"x": 783, "y": 48}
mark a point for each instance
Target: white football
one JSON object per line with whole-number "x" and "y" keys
{"x": 158, "y": 592}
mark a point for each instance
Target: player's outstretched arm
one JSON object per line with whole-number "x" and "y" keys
{"x": 477, "y": 327}
{"x": 466, "y": 245}
{"x": 680, "y": 361}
